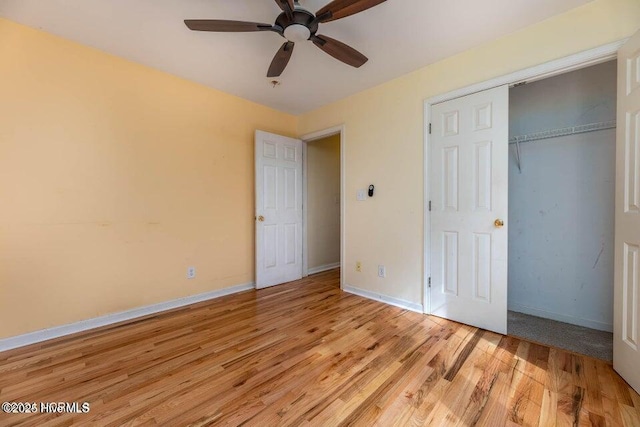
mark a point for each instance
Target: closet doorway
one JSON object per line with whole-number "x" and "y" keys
{"x": 562, "y": 149}
{"x": 593, "y": 281}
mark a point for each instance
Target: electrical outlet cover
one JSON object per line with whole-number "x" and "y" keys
{"x": 382, "y": 271}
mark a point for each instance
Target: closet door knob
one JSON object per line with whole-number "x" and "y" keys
{"x": 260, "y": 218}
{"x": 498, "y": 223}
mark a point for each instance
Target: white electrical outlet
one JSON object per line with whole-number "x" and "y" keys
{"x": 191, "y": 273}
{"x": 382, "y": 271}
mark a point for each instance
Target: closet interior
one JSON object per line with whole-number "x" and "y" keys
{"x": 562, "y": 133}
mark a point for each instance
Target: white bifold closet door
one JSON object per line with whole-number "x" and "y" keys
{"x": 626, "y": 306}
{"x": 468, "y": 186}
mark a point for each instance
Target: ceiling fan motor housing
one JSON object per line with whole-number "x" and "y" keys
{"x": 300, "y": 26}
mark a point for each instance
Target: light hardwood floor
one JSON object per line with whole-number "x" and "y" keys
{"x": 305, "y": 353}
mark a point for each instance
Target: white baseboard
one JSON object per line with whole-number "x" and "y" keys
{"x": 320, "y": 269}
{"x": 109, "y": 319}
{"x": 408, "y": 305}
{"x": 593, "y": 324}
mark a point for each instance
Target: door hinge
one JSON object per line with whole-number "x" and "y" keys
{"x": 429, "y": 128}
{"x": 429, "y": 205}
{"x": 429, "y": 283}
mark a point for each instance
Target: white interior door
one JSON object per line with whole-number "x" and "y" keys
{"x": 278, "y": 209}
{"x": 469, "y": 194}
{"x": 626, "y": 306}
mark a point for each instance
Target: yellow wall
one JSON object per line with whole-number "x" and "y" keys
{"x": 323, "y": 201}
{"x": 384, "y": 137}
{"x": 114, "y": 178}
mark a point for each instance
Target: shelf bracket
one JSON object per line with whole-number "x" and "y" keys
{"x": 518, "y": 158}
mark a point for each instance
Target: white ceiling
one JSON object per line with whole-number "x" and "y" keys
{"x": 398, "y": 36}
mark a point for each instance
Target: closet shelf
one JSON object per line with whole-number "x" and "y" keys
{"x": 555, "y": 133}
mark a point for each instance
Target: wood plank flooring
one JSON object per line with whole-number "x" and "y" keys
{"x": 305, "y": 353}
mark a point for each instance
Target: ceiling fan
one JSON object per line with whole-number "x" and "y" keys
{"x": 297, "y": 24}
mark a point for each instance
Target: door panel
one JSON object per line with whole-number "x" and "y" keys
{"x": 481, "y": 271}
{"x": 626, "y": 348}
{"x": 630, "y": 296}
{"x": 278, "y": 209}
{"x": 450, "y": 179}
{"x": 450, "y": 262}
{"x": 482, "y": 177}
{"x": 468, "y": 178}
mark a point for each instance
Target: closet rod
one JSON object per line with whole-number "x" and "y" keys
{"x": 554, "y": 133}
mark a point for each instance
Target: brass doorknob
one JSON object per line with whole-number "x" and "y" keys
{"x": 261, "y": 218}
{"x": 498, "y": 223}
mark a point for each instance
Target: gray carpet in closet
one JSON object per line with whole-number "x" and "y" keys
{"x": 574, "y": 338}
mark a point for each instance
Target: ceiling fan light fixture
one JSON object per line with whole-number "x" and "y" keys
{"x": 297, "y": 33}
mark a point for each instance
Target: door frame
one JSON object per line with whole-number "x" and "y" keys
{"x": 307, "y": 138}
{"x": 538, "y": 72}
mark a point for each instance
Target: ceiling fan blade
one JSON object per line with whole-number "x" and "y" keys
{"x": 219, "y": 25}
{"x": 286, "y": 5}
{"x": 338, "y": 9}
{"x": 281, "y": 59}
{"x": 340, "y": 51}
